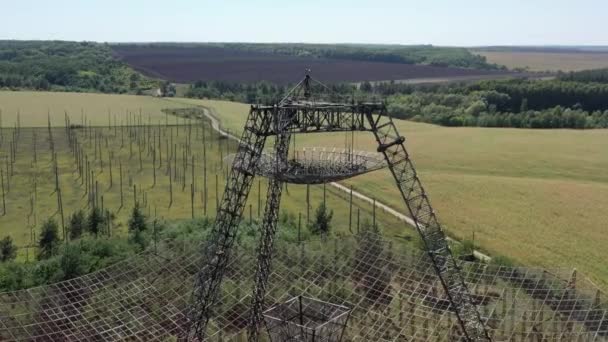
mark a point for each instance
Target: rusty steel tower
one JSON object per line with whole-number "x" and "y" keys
{"x": 310, "y": 107}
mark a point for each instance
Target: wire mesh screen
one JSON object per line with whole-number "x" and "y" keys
{"x": 306, "y": 319}
{"x": 316, "y": 165}
{"x": 393, "y": 291}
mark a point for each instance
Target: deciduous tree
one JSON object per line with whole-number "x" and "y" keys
{"x": 322, "y": 220}
{"x": 49, "y": 239}
{"x": 77, "y": 224}
{"x": 8, "y": 250}
{"x": 95, "y": 221}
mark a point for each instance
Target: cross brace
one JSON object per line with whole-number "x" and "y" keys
{"x": 307, "y": 118}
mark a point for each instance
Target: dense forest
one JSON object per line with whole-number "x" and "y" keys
{"x": 511, "y": 103}
{"x": 479, "y": 108}
{"x": 67, "y": 66}
{"x": 259, "y": 92}
{"x": 519, "y": 103}
{"x": 596, "y": 75}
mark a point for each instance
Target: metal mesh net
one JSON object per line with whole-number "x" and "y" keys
{"x": 393, "y": 292}
{"x": 306, "y": 319}
{"x": 317, "y": 165}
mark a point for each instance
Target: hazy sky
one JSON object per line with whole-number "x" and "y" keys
{"x": 439, "y": 22}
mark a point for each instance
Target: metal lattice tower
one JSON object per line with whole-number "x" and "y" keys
{"x": 305, "y": 110}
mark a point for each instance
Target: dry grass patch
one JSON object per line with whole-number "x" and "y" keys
{"x": 34, "y": 106}
{"x": 548, "y": 61}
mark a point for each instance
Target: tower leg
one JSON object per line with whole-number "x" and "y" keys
{"x": 216, "y": 252}
{"x": 391, "y": 145}
{"x": 266, "y": 244}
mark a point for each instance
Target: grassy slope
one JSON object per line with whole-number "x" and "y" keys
{"x": 34, "y": 106}
{"x": 547, "y": 61}
{"x": 538, "y": 196}
{"x": 21, "y": 225}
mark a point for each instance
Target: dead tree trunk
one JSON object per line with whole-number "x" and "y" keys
{"x": 3, "y": 193}
{"x": 141, "y": 167}
{"x": 170, "y": 188}
{"x": 111, "y": 154}
{"x": 121, "y": 193}
{"x": 154, "y": 167}
{"x": 192, "y": 199}
{"x": 8, "y": 179}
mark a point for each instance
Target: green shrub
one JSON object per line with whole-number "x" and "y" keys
{"x": 49, "y": 239}
{"x": 321, "y": 223}
{"x": 77, "y": 224}
{"x": 137, "y": 222}
{"x": 95, "y": 221}
{"x": 72, "y": 263}
{"x": 8, "y": 250}
{"x": 501, "y": 260}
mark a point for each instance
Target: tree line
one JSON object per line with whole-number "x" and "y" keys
{"x": 262, "y": 92}
{"x": 480, "y": 109}
{"x": 67, "y": 66}
{"x": 88, "y": 246}
{"x": 593, "y": 75}
{"x": 541, "y": 95}
{"x": 518, "y": 103}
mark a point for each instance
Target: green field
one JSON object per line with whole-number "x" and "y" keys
{"x": 30, "y": 194}
{"x": 33, "y": 107}
{"x": 536, "y": 196}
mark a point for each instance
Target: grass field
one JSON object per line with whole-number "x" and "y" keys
{"x": 547, "y": 61}
{"x": 33, "y": 107}
{"x": 537, "y": 196}
{"x": 31, "y": 198}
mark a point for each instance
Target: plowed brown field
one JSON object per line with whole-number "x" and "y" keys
{"x": 189, "y": 64}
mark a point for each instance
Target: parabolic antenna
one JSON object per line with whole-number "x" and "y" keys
{"x": 316, "y": 165}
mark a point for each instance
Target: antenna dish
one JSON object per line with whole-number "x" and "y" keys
{"x": 316, "y": 165}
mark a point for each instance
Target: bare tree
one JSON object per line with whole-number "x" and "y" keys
{"x": 3, "y": 193}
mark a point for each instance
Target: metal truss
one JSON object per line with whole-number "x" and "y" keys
{"x": 217, "y": 250}
{"x": 391, "y": 145}
{"x": 269, "y": 228}
{"x": 313, "y": 117}
{"x": 310, "y": 115}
